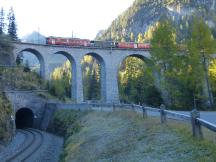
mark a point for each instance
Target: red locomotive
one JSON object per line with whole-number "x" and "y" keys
{"x": 93, "y": 43}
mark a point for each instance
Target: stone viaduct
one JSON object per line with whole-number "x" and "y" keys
{"x": 109, "y": 59}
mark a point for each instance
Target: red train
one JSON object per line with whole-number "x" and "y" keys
{"x": 93, "y": 43}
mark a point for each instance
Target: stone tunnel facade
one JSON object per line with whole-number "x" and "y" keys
{"x": 28, "y": 100}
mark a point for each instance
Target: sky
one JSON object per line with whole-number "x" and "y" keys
{"x": 83, "y": 18}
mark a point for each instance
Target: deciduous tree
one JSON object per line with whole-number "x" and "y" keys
{"x": 201, "y": 46}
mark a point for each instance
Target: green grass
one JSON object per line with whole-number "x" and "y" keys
{"x": 127, "y": 137}
{"x": 66, "y": 122}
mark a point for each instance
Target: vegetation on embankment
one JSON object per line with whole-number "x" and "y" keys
{"x": 17, "y": 78}
{"x": 6, "y": 125}
{"x": 66, "y": 122}
{"x": 126, "y": 136}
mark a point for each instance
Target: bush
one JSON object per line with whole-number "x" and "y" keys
{"x": 5, "y": 118}
{"x": 66, "y": 122}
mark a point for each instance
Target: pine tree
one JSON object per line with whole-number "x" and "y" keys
{"x": 2, "y": 24}
{"x": 27, "y": 67}
{"x": 94, "y": 87}
{"x": 19, "y": 59}
{"x": 6, "y": 45}
{"x": 12, "y": 27}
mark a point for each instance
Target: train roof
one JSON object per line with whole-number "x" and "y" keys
{"x": 66, "y": 38}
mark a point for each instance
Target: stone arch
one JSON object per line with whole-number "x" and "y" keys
{"x": 102, "y": 74}
{"x": 73, "y": 72}
{"x": 140, "y": 56}
{"x": 145, "y": 59}
{"x": 39, "y": 57}
{"x": 24, "y": 118}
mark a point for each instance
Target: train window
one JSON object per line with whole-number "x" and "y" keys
{"x": 53, "y": 41}
{"x": 135, "y": 45}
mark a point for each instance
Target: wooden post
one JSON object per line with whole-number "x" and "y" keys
{"x": 144, "y": 112}
{"x": 114, "y": 106}
{"x": 133, "y": 108}
{"x": 162, "y": 113}
{"x": 196, "y": 127}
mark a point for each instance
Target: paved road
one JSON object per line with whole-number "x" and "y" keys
{"x": 206, "y": 115}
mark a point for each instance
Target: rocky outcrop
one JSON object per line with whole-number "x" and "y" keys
{"x": 146, "y": 13}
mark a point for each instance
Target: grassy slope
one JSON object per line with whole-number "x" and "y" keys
{"x": 5, "y": 121}
{"x": 126, "y": 137}
{"x": 15, "y": 78}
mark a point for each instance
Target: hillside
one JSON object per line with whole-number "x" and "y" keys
{"x": 6, "y": 125}
{"x": 144, "y": 14}
{"x": 125, "y": 137}
{"x": 18, "y": 79}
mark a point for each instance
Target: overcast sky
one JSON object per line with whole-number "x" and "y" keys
{"x": 60, "y": 17}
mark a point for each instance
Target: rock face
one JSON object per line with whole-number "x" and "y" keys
{"x": 145, "y": 13}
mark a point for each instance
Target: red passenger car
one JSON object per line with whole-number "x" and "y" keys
{"x": 126, "y": 45}
{"x": 133, "y": 45}
{"x": 99, "y": 44}
{"x": 67, "y": 41}
{"x": 143, "y": 45}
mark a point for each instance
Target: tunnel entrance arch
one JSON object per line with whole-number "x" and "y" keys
{"x": 24, "y": 118}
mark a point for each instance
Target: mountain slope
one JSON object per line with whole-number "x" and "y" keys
{"x": 144, "y": 14}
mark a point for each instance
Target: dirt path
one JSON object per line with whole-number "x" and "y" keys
{"x": 126, "y": 137}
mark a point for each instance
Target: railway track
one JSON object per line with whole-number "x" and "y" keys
{"x": 33, "y": 141}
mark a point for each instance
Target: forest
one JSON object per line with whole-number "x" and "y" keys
{"x": 181, "y": 72}
{"x": 180, "y": 75}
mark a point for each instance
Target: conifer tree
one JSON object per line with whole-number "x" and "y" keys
{"x": 2, "y": 24}
{"x": 12, "y": 27}
{"x": 27, "y": 67}
{"x": 19, "y": 59}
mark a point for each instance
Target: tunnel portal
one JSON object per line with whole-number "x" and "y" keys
{"x": 24, "y": 118}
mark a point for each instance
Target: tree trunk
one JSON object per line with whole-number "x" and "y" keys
{"x": 210, "y": 97}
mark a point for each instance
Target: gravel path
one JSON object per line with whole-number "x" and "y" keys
{"x": 48, "y": 152}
